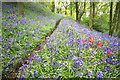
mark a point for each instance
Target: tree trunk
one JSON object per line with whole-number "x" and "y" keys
{"x": 118, "y": 26}
{"x": 66, "y": 10}
{"x": 115, "y": 19}
{"x": 77, "y": 12}
{"x": 91, "y": 16}
{"x": 93, "y": 4}
{"x": 93, "y": 9}
{"x": 20, "y": 8}
{"x": 53, "y": 6}
{"x": 110, "y": 19}
{"x": 82, "y": 12}
{"x": 117, "y": 15}
{"x": 71, "y": 8}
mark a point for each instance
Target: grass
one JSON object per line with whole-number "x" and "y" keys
{"x": 68, "y": 53}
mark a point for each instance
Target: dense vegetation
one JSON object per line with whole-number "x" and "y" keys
{"x": 73, "y": 50}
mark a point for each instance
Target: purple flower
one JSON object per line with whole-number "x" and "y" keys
{"x": 5, "y": 66}
{"x": 54, "y": 76}
{"x": 4, "y": 62}
{"x": 9, "y": 63}
{"x": 116, "y": 47}
{"x": 78, "y": 40}
{"x": 113, "y": 61}
{"x": 73, "y": 69}
{"x": 10, "y": 27}
{"x": 81, "y": 59}
{"x": 80, "y": 73}
{"x": 74, "y": 58}
{"x": 50, "y": 46}
{"x": 34, "y": 73}
{"x": 22, "y": 76}
{"x": 9, "y": 40}
{"x": 99, "y": 74}
{"x": 107, "y": 67}
{"x": 89, "y": 71}
{"x": 77, "y": 61}
{"x": 56, "y": 63}
{"x": 69, "y": 41}
{"x": 57, "y": 49}
{"x": 74, "y": 63}
{"x": 38, "y": 59}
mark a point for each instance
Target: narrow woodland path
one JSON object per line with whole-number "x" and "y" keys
{"x": 13, "y": 73}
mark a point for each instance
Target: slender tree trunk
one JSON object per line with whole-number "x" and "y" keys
{"x": 77, "y": 12}
{"x": 115, "y": 19}
{"x": 91, "y": 16}
{"x": 66, "y": 10}
{"x": 71, "y": 8}
{"x": 93, "y": 3}
{"x": 82, "y": 12}
{"x": 117, "y": 15}
{"x": 93, "y": 9}
{"x": 118, "y": 26}
{"x": 110, "y": 19}
{"x": 53, "y": 6}
{"x": 20, "y": 8}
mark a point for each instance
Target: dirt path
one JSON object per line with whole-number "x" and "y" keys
{"x": 14, "y": 73}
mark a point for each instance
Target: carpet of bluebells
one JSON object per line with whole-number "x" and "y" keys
{"x": 75, "y": 51}
{"x": 71, "y": 51}
{"x": 21, "y": 34}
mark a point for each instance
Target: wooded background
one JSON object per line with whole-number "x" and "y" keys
{"x": 100, "y": 16}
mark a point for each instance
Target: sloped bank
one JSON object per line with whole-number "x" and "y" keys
{"x": 75, "y": 51}
{"x": 25, "y": 60}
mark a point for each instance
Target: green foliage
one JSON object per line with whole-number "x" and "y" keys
{"x": 101, "y": 23}
{"x": 85, "y": 19}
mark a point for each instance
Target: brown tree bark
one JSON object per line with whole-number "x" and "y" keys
{"x": 77, "y": 12}
{"x": 93, "y": 9}
{"x": 82, "y": 12}
{"x": 115, "y": 19}
{"x": 71, "y": 8}
{"x": 91, "y": 15}
{"x": 53, "y": 6}
{"x": 110, "y": 18}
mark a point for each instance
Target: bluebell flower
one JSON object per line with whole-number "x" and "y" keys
{"x": 68, "y": 40}
{"x": 81, "y": 59}
{"x": 99, "y": 74}
{"x": 4, "y": 62}
{"x": 50, "y": 46}
{"x": 74, "y": 58}
{"x": 118, "y": 56}
{"x": 107, "y": 67}
{"x": 34, "y": 73}
{"x": 5, "y": 66}
{"x": 89, "y": 71}
{"x": 9, "y": 63}
{"x": 9, "y": 40}
{"x": 73, "y": 69}
{"x": 56, "y": 63}
{"x": 74, "y": 63}
{"x": 78, "y": 40}
{"x": 54, "y": 76}
{"x": 113, "y": 61}
{"x": 22, "y": 76}
{"x": 80, "y": 73}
